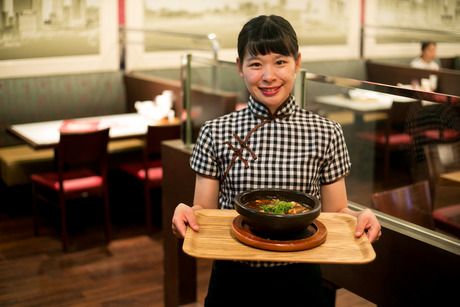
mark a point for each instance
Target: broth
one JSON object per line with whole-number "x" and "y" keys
{"x": 276, "y": 206}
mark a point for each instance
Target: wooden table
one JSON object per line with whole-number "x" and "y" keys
{"x": 359, "y": 107}
{"x": 46, "y": 134}
{"x": 452, "y": 176}
{"x": 362, "y": 105}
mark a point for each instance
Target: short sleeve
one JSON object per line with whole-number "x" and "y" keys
{"x": 203, "y": 159}
{"x": 337, "y": 163}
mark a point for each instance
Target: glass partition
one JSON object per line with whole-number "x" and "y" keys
{"x": 390, "y": 132}
{"x": 211, "y": 89}
{"x": 388, "y": 129}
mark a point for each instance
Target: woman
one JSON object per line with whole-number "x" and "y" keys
{"x": 270, "y": 144}
{"x": 427, "y": 58}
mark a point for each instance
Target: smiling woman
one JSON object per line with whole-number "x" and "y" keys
{"x": 269, "y": 65}
{"x": 272, "y": 143}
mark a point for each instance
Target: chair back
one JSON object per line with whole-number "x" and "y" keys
{"x": 83, "y": 149}
{"x": 158, "y": 134}
{"x": 81, "y": 159}
{"x": 411, "y": 203}
{"x": 441, "y": 158}
{"x": 400, "y": 113}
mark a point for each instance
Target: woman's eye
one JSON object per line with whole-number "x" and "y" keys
{"x": 281, "y": 62}
{"x": 254, "y": 64}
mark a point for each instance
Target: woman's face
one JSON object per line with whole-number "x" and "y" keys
{"x": 269, "y": 78}
{"x": 429, "y": 54}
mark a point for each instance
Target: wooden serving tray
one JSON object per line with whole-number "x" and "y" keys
{"x": 215, "y": 241}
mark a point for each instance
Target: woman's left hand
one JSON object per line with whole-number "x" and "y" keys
{"x": 334, "y": 199}
{"x": 367, "y": 223}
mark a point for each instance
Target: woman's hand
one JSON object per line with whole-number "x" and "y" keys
{"x": 334, "y": 199}
{"x": 184, "y": 216}
{"x": 206, "y": 197}
{"x": 367, "y": 223}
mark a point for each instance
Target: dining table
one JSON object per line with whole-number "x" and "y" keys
{"x": 46, "y": 134}
{"x": 451, "y": 176}
{"x": 361, "y": 104}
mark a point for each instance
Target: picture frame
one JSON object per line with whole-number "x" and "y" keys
{"x": 395, "y": 29}
{"x": 55, "y": 30}
{"x": 326, "y": 29}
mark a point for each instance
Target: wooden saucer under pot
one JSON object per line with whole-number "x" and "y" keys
{"x": 313, "y": 236}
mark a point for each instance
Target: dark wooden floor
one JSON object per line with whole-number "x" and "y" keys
{"x": 34, "y": 271}
{"x": 127, "y": 272}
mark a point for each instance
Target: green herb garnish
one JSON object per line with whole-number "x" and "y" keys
{"x": 277, "y": 207}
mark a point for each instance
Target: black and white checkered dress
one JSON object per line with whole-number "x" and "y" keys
{"x": 292, "y": 149}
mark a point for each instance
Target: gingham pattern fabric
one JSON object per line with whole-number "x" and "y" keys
{"x": 293, "y": 149}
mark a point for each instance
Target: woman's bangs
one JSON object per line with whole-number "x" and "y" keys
{"x": 265, "y": 46}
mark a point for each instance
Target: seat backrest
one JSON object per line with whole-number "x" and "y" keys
{"x": 158, "y": 134}
{"x": 400, "y": 113}
{"x": 83, "y": 149}
{"x": 439, "y": 116}
{"x": 441, "y": 158}
{"x": 411, "y": 203}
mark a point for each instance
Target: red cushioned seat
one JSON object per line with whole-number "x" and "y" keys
{"x": 393, "y": 136}
{"x": 445, "y": 135}
{"x": 80, "y": 180}
{"x": 381, "y": 138}
{"x": 155, "y": 171}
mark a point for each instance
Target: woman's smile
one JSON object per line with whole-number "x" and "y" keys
{"x": 270, "y": 91}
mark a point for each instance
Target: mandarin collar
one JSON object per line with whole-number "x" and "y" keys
{"x": 261, "y": 111}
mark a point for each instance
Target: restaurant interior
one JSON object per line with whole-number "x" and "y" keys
{"x": 135, "y": 104}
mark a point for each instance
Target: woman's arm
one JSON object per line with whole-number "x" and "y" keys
{"x": 334, "y": 199}
{"x": 334, "y": 196}
{"x": 206, "y": 197}
{"x": 206, "y": 193}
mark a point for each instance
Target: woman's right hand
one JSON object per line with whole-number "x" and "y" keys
{"x": 184, "y": 216}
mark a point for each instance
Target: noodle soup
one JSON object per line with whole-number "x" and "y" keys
{"x": 276, "y": 206}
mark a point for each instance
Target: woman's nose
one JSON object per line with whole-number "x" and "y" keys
{"x": 268, "y": 74}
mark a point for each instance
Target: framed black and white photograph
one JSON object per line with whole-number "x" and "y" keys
{"x": 158, "y": 32}
{"x": 395, "y": 28}
{"x": 40, "y": 37}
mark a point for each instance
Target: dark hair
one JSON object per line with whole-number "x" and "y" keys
{"x": 425, "y": 44}
{"x": 266, "y": 34}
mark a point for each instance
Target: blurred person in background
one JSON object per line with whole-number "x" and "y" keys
{"x": 427, "y": 58}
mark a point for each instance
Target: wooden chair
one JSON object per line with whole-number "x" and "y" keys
{"x": 442, "y": 158}
{"x": 151, "y": 164}
{"x": 411, "y": 203}
{"x": 393, "y": 136}
{"x": 81, "y": 160}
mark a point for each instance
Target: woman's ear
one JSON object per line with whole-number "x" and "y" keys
{"x": 239, "y": 66}
{"x": 298, "y": 62}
